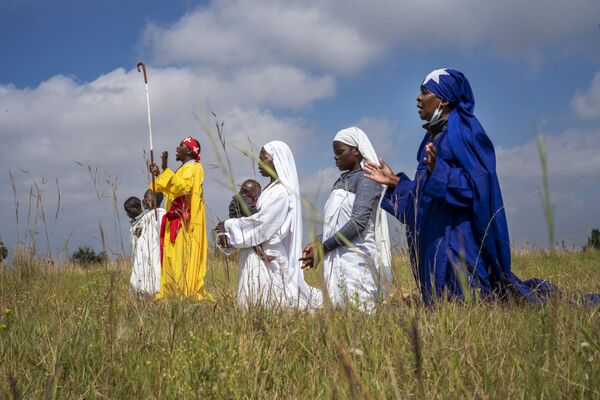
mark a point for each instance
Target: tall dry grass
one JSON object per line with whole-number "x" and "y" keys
{"x": 67, "y": 332}
{"x": 73, "y": 333}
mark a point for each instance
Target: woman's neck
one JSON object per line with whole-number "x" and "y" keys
{"x": 437, "y": 127}
{"x": 189, "y": 158}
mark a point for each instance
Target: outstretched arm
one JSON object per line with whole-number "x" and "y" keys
{"x": 382, "y": 173}
{"x": 260, "y": 227}
{"x": 175, "y": 185}
{"x": 400, "y": 195}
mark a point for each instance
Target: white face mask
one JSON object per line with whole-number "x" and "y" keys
{"x": 437, "y": 113}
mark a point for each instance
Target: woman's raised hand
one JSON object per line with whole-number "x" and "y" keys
{"x": 380, "y": 173}
{"x": 431, "y": 157}
{"x": 164, "y": 158}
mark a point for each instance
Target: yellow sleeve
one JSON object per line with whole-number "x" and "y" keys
{"x": 175, "y": 184}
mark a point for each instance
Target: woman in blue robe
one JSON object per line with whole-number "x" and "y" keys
{"x": 453, "y": 209}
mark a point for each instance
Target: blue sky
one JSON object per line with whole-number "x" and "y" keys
{"x": 296, "y": 72}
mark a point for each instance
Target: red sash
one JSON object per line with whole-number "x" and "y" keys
{"x": 178, "y": 212}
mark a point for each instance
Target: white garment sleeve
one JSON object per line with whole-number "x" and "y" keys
{"x": 260, "y": 227}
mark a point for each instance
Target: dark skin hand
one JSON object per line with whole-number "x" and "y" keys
{"x": 153, "y": 168}
{"x": 382, "y": 174}
{"x": 164, "y": 158}
{"x": 431, "y": 156}
{"x": 222, "y": 240}
{"x": 310, "y": 255}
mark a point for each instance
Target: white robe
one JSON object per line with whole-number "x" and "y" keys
{"x": 360, "y": 272}
{"x": 351, "y": 272}
{"x": 278, "y": 283}
{"x": 145, "y": 275}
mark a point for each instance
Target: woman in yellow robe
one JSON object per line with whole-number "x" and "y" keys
{"x": 184, "y": 243}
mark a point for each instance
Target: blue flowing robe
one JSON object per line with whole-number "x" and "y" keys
{"x": 454, "y": 216}
{"x": 455, "y": 222}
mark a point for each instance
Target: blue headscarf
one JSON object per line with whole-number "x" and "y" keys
{"x": 474, "y": 152}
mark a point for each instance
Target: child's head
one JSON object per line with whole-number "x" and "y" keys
{"x": 250, "y": 188}
{"x": 152, "y": 199}
{"x": 133, "y": 207}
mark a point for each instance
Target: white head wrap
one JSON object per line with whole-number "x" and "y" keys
{"x": 285, "y": 166}
{"x": 355, "y": 137}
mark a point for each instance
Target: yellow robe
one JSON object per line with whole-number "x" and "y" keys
{"x": 184, "y": 260}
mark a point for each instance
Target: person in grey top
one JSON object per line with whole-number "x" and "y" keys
{"x": 353, "y": 230}
{"x": 367, "y": 196}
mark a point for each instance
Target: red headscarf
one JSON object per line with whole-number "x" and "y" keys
{"x": 193, "y": 145}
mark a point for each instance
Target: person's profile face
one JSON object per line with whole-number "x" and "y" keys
{"x": 265, "y": 164}
{"x": 181, "y": 152}
{"x": 345, "y": 156}
{"x": 427, "y": 102}
{"x": 133, "y": 211}
{"x": 250, "y": 190}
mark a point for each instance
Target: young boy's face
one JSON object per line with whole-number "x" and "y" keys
{"x": 133, "y": 211}
{"x": 250, "y": 190}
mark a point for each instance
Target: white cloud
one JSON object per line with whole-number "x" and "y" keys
{"x": 344, "y": 37}
{"x": 385, "y": 138}
{"x": 246, "y": 60}
{"x": 587, "y": 103}
{"x": 46, "y": 130}
{"x": 574, "y": 176}
{"x": 233, "y": 33}
{"x": 509, "y": 26}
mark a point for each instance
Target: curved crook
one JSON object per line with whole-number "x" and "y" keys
{"x": 144, "y": 69}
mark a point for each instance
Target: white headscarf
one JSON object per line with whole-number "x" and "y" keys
{"x": 355, "y": 137}
{"x": 285, "y": 167}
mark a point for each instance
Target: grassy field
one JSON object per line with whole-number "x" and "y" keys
{"x": 67, "y": 332}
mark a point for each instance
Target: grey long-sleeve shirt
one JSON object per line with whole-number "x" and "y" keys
{"x": 367, "y": 195}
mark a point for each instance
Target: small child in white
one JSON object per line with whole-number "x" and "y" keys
{"x": 145, "y": 242}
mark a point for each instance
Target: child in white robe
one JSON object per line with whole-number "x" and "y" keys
{"x": 145, "y": 243}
